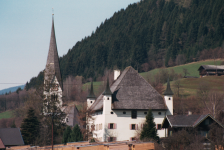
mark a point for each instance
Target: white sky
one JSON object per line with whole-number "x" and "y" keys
{"x": 25, "y": 27}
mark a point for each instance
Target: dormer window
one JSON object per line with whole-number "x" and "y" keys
{"x": 159, "y": 113}
{"x": 124, "y": 112}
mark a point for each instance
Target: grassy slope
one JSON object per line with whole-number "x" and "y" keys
{"x": 6, "y": 114}
{"x": 191, "y": 67}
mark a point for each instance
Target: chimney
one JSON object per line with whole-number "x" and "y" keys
{"x": 116, "y": 74}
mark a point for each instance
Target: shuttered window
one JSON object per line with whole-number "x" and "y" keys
{"x": 112, "y": 126}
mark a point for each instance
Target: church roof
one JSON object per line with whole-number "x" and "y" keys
{"x": 52, "y": 67}
{"x": 132, "y": 91}
{"x": 168, "y": 89}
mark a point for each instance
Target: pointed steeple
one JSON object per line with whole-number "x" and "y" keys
{"x": 52, "y": 66}
{"x": 107, "y": 90}
{"x": 168, "y": 89}
{"x": 91, "y": 93}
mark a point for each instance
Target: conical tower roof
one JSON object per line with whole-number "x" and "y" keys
{"x": 52, "y": 67}
{"x": 91, "y": 93}
{"x": 107, "y": 90}
{"x": 168, "y": 89}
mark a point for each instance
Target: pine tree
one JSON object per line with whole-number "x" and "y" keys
{"x": 30, "y": 127}
{"x": 149, "y": 128}
{"x": 76, "y": 134}
{"x": 66, "y": 135}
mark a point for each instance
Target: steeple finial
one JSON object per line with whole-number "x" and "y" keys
{"x": 91, "y": 93}
{"x": 107, "y": 90}
{"x": 168, "y": 89}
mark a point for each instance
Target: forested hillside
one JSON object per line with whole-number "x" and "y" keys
{"x": 147, "y": 35}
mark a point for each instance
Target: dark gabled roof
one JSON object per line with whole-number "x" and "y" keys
{"x": 91, "y": 93}
{"x": 73, "y": 116}
{"x": 52, "y": 67}
{"x": 211, "y": 67}
{"x": 168, "y": 89}
{"x": 107, "y": 90}
{"x": 11, "y": 136}
{"x": 187, "y": 120}
{"x": 132, "y": 91}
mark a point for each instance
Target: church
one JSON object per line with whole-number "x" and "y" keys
{"x": 53, "y": 84}
{"x": 120, "y": 111}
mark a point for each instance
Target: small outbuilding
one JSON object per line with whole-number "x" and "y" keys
{"x": 200, "y": 123}
{"x": 10, "y": 137}
{"x": 211, "y": 70}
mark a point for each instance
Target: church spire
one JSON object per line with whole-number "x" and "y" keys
{"x": 91, "y": 93}
{"x": 168, "y": 89}
{"x": 52, "y": 66}
{"x": 107, "y": 90}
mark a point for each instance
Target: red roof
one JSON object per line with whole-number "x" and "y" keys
{"x": 1, "y": 144}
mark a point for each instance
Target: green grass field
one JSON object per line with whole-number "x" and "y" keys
{"x": 6, "y": 114}
{"x": 190, "y": 86}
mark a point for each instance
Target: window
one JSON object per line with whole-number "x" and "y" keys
{"x": 145, "y": 113}
{"x": 108, "y": 98}
{"x": 207, "y": 122}
{"x": 169, "y": 98}
{"x": 159, "y": 126}
{"x": 66, "y": 119}
{"x": 159, "y": 113}
{"x": 124, "y": 112}
{"x": 112, "y": 126}
{"x": 92, "y": 127}
{"x": 91, "y": 101}
{"x": 111, "y": 112}
{"x": 132, "y": 139}
{"x": 133, "y": 126}
{"x": 97, "y": 127}
{"x": 111, "y": 139}
{"x": 133, "y": 114}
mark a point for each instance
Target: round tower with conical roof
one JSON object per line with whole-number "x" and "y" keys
{"x": 91, "y": 97}
{"x": 168, "y": 96}
{"x": 107, "y": 99}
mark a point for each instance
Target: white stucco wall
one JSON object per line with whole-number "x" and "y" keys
{"x": 123, "y": 122}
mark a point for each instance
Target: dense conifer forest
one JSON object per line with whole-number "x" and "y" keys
{"x": 146, "y": 35}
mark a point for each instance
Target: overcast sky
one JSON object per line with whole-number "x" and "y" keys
{"x": 25, "y": 27}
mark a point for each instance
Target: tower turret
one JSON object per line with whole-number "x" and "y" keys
{"x": 168, "y": 96}
{"x": 107, "y": 99}
{"x": 91, "y": 97}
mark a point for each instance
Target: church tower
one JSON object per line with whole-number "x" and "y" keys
{"x": 52, "y": 76}
{"x": 168, "y": 96}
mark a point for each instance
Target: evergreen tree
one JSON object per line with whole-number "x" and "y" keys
{"x": 30, "y": 127}
{"x": 149, "y": 128}
{"x": 66, "y": 135}
{"x": 76, "y": 134}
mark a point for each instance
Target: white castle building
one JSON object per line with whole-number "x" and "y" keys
{"x": 120, "y": 111}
